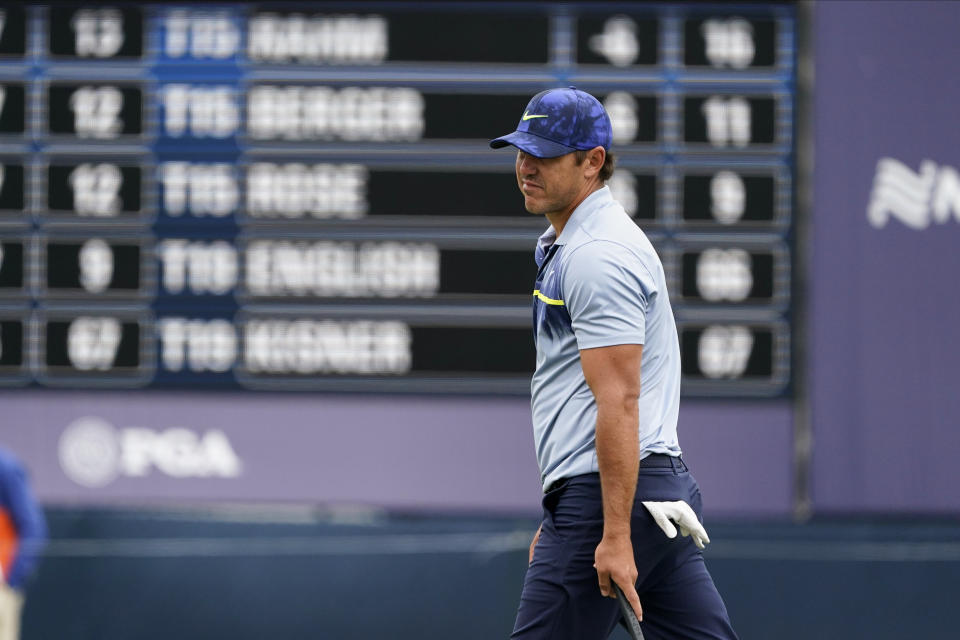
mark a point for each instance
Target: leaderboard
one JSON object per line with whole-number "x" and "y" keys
{"x": 300, "y": 196}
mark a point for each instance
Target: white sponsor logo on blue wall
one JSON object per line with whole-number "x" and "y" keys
{"x": 94, "y": 453}
{"x": 916, "y": 199}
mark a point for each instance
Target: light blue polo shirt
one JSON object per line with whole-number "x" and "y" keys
{"x": 600, "y": 283}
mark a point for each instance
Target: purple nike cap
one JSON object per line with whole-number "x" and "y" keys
{"x": 558, "y": 121}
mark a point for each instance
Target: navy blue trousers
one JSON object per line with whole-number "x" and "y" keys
{"x": 561, "y": 597}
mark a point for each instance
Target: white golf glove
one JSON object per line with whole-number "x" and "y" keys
{"x": 678, "y": 512}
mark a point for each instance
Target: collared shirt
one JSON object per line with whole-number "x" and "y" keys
{"x": 600, "y": 283}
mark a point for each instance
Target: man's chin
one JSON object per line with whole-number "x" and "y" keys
{"x": 533, "y": 207}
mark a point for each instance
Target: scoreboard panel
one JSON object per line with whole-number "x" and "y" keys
{"x": 300, "y": 196}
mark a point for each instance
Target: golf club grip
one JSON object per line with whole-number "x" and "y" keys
{"x": 633, "y": 625}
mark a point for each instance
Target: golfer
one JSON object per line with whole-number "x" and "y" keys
{"x": 605, "y": 401}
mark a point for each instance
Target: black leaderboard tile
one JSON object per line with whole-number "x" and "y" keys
{"x": 730, "y": 42}
{"x": 376, "y": 34}
{"x": 469, "y": 37}
{"x": 727, "y": 352}
{"x": 94, "y": 110}
{"x": 13, "y": 31}
{"x": 730, "y": 121}
{"x": 12, "y": 108}
{"x": 94, "y": 190}
{"x": 12, "y": 187}
{"x": 318, "y": 352}
{"x": 93, "y": 266}
{"x": 728, "y": 198}
{"x": 11, "y": 344}
{"x": 92, "y": 345}
{"x": 487, "y": 350}
{"x": 95, "y": 32}
{"x": 727, "y": 275}
{"x": 619, "y": 40}
{"x": 12, "y": 265}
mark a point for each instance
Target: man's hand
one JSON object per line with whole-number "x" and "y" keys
{"x": 667, "y": 513}
{"x": 613, "y": 560}
{"x": 533, "y": 545}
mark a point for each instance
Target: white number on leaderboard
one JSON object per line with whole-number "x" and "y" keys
{"x": 724, "y": 275}
{"x": 729, "y": 42}
{"x": 206, "y": 35}
{"x": 624, "y": 122}
{"x": 96, "y": 265}
{"x": 92, "y": 342}
{"x": 618, "y": 43}
{"x": 203, "y": 189}
{"x": 96, "y": 189}
{"x": 623, "y": 186}
{"x": 198, "y": 345}
{"x": 728, "y": 121}
{"x": 99, "y": 32}
{"x": 724, "y": 351}
{"x": 200, "y": 111}
{"x": 728, "y": 197}
{"x": 96, "y": 112}
{"x": 201, "y": 267}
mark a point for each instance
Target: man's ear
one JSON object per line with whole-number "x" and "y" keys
{"x": 595, "y": 159}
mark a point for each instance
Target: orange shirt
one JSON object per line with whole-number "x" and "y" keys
{"x": 8, "y": 543}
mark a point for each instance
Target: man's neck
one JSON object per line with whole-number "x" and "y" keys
{"x": 559, "y": 219}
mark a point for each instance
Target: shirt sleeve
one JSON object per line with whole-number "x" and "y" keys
{"x": 28, "y": 519}
{"x": 607, "y": 290}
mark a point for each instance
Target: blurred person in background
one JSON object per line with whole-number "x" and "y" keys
{"x": 23, "y": 532}
{"x": 607, "y": 446}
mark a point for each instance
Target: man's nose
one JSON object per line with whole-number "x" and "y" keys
{"x": 528, "y": 164}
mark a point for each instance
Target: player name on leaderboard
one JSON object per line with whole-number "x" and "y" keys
{"x": 301, "y": 196}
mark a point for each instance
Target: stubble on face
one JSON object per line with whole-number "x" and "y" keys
{"x": 548, "y": 185}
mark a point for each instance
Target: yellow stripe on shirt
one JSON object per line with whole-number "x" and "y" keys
{"x": 558, "y": 303}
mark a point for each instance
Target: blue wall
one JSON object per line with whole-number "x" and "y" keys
{"x": 292, "y": 573}
{"x": 885, "y": 227}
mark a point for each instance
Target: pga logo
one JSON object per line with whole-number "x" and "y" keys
{"x": 93, "y": 453}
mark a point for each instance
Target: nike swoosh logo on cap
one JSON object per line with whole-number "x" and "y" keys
{"x": 527, "y": 116}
